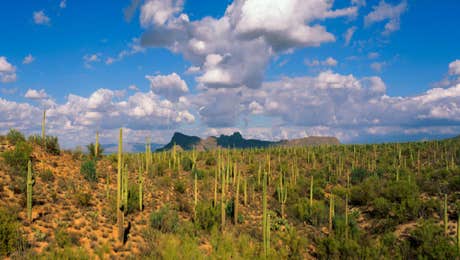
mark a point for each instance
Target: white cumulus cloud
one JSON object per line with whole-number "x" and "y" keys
{"x": 41, "y": 18}
{"x": 7, "y": 71}
{"x": 171, "y": 86}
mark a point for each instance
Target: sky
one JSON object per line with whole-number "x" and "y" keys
{"x": 363, "y": 71}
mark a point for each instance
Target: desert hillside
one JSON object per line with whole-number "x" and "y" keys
{"x": 327, "y": 202}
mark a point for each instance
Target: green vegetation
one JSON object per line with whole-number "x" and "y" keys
{"x": 398, "y": 200}
{"x": 18, "y": 158}
{"x": 11, "y": 239}
{"x": 88, "y": 170}
{"x": 14, "y": 137}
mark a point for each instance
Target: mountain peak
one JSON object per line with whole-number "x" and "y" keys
{"x": 236, "y": 140}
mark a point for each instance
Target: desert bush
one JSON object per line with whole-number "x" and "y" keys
{"x": 11, "y": 239}
{"x": 207, "y": 216}
{"x": 164, "y": 220}
{"x": 47, "y": 175}
{"x": 429, "y": 242}
{"x": 88, "y": 170}
{"x": 83, "y": 199}
{"x": 64, "y": 238}
{"x": 314, "y": 215}
{"x": 161, "y": 168}
{"x": 179, "y": 186}
{"x": 199, "y": 174}
{"x": 210, "y": 161}
{"x": 51, "y": 143}
{"x": 170, "y": 246}
{"x": 77, "y": 153}
{"x": 18, "y": 158}
{"x": 133, "y": 198}
{"x": 14, "y": 137}
{"x": 187, "y": 164}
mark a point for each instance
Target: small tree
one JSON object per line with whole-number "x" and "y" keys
{"x": 92, "y": 150}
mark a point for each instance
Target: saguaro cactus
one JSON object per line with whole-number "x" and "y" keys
{"x": 96, "y": 146}
{"x": 265, "y": 218}
{"x": 30, "y": 183}
{"x": 237, "y": 197}
{"x": 331, "y": 212}
{"x": 245, "y": 192}
{"x": 44, "y": 129}
{"x": 222, "y": 202}
{"x": 195, "y": 194}
{"x": 346, "y": 216}
{"x": 446, "y": 223}
{"x": 458, "y": 234}
{"x": 311, "y": 191}
{"x": 215, "y": 186}
{"x": 282, "y": 193}
{"x": 44, "y": 126}
{"x": 148, "y": 156}
{"x": 120, "y": 215}
{"x": 125, "y": 189}
{"x": 141, "y": 184}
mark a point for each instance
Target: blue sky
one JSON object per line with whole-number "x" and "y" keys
{"x": 270, "y": 69}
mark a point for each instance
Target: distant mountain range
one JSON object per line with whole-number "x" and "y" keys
{"x": 129, "y": 147}
{"x": 236, "y": 140}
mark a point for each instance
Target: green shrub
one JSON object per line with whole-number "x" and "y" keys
{"x": 428, "y": 241}
{"x": 18, "y": 158}
{"x": 314, "y": 215}
{"x": 10, "y": 237}
{"x": 14, "y": 137}
{"x": 207, "y": 216}
{"x": 88, "y": 170}
{"x": 161, "y": 168}
{"x": 179, "y": 186}
{"x": 133, "y": 198}
{"x": 164, "y": 220}
{"x": 52, "y": 143}
{"x": 64, "y": 238}
{"x": 187, "y": 164}
{"x": 83, "y": 199}
{"x": 210, "y": 161}
{"x": 47, "y": 175}
{"x": 381, "y": 207}
{"x": 358, "y": 175}
{"x": 199, "y": 174}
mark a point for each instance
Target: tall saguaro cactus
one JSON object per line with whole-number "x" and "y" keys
{"x": 458, "y": 234}
{"x": 265, "y": 218}
{"x": 141, "y": 184}
{"x": 120, "y": 215}
{"x": 346, "y": 217}
{"x": 96, "y": 146}
{"x": 282, "y": 193}
{"x": 125, "y": 189}
{"x": 195, "y": 194}
{"x": 446, "y": 223}
{"x": 331, "y": 212}
{"x": 237, "y": 197}
{"x": 44, "y": 125}
{"x": 44, "y": 128}
{"x": 222, "y": 202}
{"x": 148, "y": 156}
{"x": 30, "y": 183}
{"x": 311, "y": 191}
